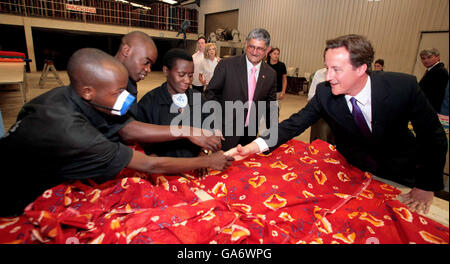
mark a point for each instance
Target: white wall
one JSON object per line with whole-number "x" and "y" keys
{"x": 301, "y": 27}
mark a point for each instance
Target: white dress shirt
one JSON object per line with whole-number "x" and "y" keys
{"x": 207, "y": 68}
{"x": 364, "y": 102}
{"x": 198, "y": 59}
{"x": 428, "y": 69}
{"x": 319, "y": 77}
{"x": 249, "y": 69}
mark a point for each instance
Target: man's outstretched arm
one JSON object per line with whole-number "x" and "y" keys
{"x": 139, "y": 132}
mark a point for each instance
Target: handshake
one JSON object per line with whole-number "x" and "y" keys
{"x": 222, "y": 160}
{"x": 241, "y": 152}
{"x": 211, "y": 141}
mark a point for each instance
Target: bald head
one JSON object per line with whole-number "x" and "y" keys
{"x": 137, "y": 52}
{"x": 97, "y": 78}
{"x": 88, "y": 67}
{"x": 136, "y": 38}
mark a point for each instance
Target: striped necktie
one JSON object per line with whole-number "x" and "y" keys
{"x": 251, "y": 92}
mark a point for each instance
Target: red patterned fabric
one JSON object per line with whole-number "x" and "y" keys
{"x": 300, "y": 193}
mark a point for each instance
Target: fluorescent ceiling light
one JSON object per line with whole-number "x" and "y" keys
{"x": 172, "y": 2}
{"x": 134, "y": 4}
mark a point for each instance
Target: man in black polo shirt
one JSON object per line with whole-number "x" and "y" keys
{"x": 71, "y": 132}
{"x": 137, "y": 52}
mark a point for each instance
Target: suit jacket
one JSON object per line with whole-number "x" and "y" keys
{"x": 433, "y": 85}
{"x": 230, "y": 83}
{"x": 392, "y": 151}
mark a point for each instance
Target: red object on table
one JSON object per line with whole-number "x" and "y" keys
{"x": 300, "y": 193}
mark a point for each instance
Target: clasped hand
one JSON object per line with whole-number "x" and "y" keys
{"x": 207, "y": 139}
{"x": 242, "y": 152}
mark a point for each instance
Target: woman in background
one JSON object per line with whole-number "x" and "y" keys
{"x": 273, "y": 59}
{"x": 209, "y": 64}
{"x": 156, "y": 106}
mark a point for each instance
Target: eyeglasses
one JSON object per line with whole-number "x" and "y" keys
{"x": 258, "y": 49}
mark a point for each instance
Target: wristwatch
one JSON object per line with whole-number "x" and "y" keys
{"x": 207, "y": 152}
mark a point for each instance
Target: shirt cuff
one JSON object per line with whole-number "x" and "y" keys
{"x": 261, "y": 144}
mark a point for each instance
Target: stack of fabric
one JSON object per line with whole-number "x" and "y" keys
{"x": 12, "y": 56}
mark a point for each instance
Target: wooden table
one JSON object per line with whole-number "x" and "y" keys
{"x": 14, "y": 73}
{"x": 438, "y": 210}
{"x": 296, "y": 84}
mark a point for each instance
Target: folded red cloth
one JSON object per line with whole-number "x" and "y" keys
{"x": 11, "y": 59}
{"x": 12, "y": 54}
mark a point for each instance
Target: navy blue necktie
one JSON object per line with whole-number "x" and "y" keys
{"x": 359, "y": 118}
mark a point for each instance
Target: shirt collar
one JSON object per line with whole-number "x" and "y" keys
{"x": 199, "y": 53}
{"x": 211, "y": 61}
{"x": 132, "y": 87}
{"x": 95, "y": 118}
{"x": 166, "y": 97}
{"x": 363, "y": 97}
{"x": 433, "y": 66}
{"x": 250, "y": 65}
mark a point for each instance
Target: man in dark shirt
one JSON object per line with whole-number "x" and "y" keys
{"x": 69, "y": 133}
{"x": 435, "y": 79}
{"x": 171, "y": 102}
{"x": 137, "y": 53}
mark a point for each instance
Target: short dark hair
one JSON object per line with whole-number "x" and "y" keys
{"x": 380, "y": 61}
{"x": 360, "y": 49}
{"x": 172, "y": 55}
{"x": 201, "y": 37}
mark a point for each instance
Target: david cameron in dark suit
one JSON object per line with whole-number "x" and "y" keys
{"x": 368, "y": 113}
